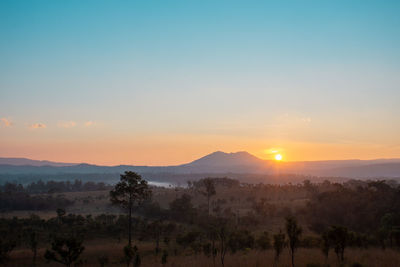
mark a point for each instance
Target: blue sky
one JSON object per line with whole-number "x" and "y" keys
{"x": 158, "y": 76}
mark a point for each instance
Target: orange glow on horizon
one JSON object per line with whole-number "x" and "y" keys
{"x": 179, "y": 149}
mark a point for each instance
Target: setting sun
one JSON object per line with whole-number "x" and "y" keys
{"x": 278, "y": 157}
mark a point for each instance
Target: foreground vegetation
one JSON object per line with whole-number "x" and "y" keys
{"x": 214, "y": 222}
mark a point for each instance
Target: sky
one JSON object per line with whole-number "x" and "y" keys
{"x": 166, "y": 82}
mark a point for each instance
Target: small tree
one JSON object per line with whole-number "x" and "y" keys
{"x": 31, "y": 240}
{"x": 263, "y": 241}
{"x": 279, "y": 244}
{"x": 65, "y": 250}
{"x": 213, "y": 235}
{"x": 240, "y": 240}
{"x": 164, "y": 257}
{"x": 339, "y": 236}
{"x": 60, "y": 214}
{"x": 182, "y": 209}
{"x": 156, "y": 229}
{"x": 293, "y": 232}
{"x": 387, "y": 228}
{"x": 130, "y": 192}
{"x": 223, "y": 240}
{"x": 209, "y": 187}
{"x": 103, "y": 260}
{"x": 6, "y": 246}
{"x": 325, "y": 245}
{"x": 129, "y": 254}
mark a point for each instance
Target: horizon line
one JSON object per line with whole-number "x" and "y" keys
{"x": 145, "y": 165}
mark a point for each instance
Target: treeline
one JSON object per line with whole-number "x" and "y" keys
{"x": 20, "y": 200}
{"x": 355, "y": 214}
{"x": 51, "y": 186}
{"x": 26, "y": 178}
{"x": 371, "y": 209}
{"x": 38, "y": 195}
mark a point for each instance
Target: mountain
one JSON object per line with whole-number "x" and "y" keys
{"x": 220, "y": 158}
{"x": 31, "y": 162}
{"x": 379, "y": 170}
{"x": 219, "y": 163}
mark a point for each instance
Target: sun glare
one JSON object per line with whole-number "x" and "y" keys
{"x": 278, "y": 157}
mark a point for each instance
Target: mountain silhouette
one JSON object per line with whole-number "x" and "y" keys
{"x": 220, "y": 158}
{"x": 31, "y": 162}
{"x": 217, "y": 163}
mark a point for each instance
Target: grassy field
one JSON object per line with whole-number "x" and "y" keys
{"x": 240, "y": 200}
{"x": 113, "y": 251}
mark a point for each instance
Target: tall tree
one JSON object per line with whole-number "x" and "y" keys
{"x": 223, "y": 234}
{"x": 129, "y": 193}
{"x": 293, "y": 232}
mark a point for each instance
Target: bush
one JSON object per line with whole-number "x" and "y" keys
{"x": 240, "y": 240}
{"x": 263, "y": 241}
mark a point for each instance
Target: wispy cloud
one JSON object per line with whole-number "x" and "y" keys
{"x": 90, "y": 123}
{"x": 38, "y": 126}
{"x": 306, "y": 120}
{"x": 293, "y": 120}
{"x": 272, "y": 150}
{"x": 4, "y": 122}
{"x": 66, "y": 124}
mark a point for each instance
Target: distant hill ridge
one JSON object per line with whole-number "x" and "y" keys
{"x": 218, "y": 162}
{"x": 31, "y": 162}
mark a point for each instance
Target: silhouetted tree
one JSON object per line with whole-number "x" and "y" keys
{"x": 156, "y": 229}
{"x": 188, "y": 239}
{"x": 263, "y": 241}
{"x": 131, "y": 191}
{"x": 6, "y": 246}
{"x": 103, "y": 260}
{"x": 129, "y": 254}
{"x": 279, "y": 244}
{"x": 65, "y": 250}
{"x": 223, "y": 238}
{"x": 137, "y": 262}
{"x": 240, "y": 240}
{"x": 387, "y": 228}
{"x": 182, "y": 208}
{"x": 339, "y": 237}
{"x": 212, "y": 233}
{"x": 32, "y": 242}
{"x": 209, "y": 186}
{"x": 164, "y": 257}
{"x": 325, "y": 245}
{"x": 60, "y": 212}
{"x": 293, "y": 232}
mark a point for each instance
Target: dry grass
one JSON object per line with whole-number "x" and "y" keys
{"x": 113, "y": 250}
{"x": 97, "y": 202}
